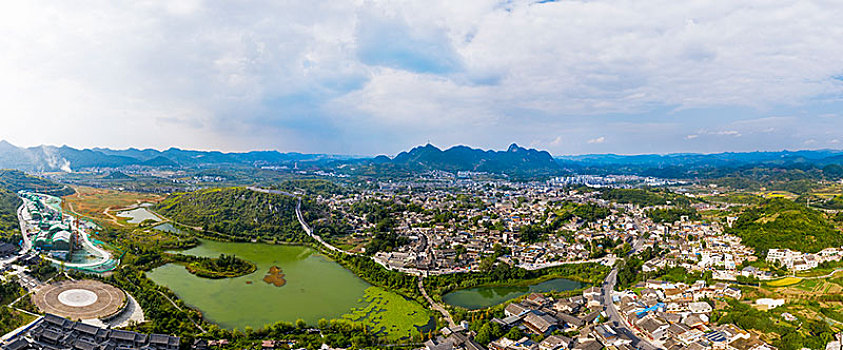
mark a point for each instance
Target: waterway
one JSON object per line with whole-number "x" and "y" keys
{"x": 316, "y": 287}
{"x": 482, "y": 297}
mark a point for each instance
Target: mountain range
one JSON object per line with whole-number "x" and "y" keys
{"x": 515, "y": 160}
{"x": 64, "y": 158}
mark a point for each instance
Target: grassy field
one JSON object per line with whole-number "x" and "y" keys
{"x": 389, "y": 314}
{"x": 349, "y": 243}
{"x": 784, "y": 282}
{"x": 97, "y": 203}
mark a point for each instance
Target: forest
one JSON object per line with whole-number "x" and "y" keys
{"x": 9, "y": 318}
{"x": 9, "y": 225}
{"x": 781, "y": 223}
{"x": 671, "y": 215}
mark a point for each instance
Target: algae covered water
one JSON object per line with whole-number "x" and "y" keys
{"x": 316, "y": 287}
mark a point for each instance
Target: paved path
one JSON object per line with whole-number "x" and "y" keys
{"x": 310, "y": 233}
{"x": 436, "y": 306}
{"x": 307, "y": 229}
{"x": 180, "y": 309}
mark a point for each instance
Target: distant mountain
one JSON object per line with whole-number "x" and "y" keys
{"x": 697, "y": 159}
{"x": 159, "y": 161}
{"x": 116, "y": 175}
{"x": 51, "y": 158}
{"x": 515, "y": 160}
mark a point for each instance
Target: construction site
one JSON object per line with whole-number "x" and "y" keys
{"x": 61, "y": 238}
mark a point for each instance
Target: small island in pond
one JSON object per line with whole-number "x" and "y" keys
{"x": 225, "y": 266}
{"x": 275, "y": 277}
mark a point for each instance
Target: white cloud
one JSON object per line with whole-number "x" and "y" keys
{"x": 370, "y": 75}
{"x": 600, "y": 139}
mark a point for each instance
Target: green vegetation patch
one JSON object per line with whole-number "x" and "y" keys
{"x": 238, "y": 212}
{"x": 9, "y": 225}
{"x": 644, "y": 197}
{"x": 9, "y": 318}
{"x": 389, "y": 314}
{"x": 781, "y": 223}
{"x": 226, "y": 266}
{"x": 672, "y": 214}
{"x": 16, "y": 180}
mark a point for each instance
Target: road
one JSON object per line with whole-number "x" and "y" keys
{"x": 434, "y": 305}
{"x": 618, "y": 322}
{"x": 300, "y": 217}
{"x": 310, "y": 233}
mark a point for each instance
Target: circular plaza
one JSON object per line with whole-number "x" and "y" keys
{"x": 80, "y": 300}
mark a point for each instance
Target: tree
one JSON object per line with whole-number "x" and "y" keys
{"x": 514, "y": 333}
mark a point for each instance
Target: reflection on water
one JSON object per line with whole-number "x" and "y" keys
{"x": 482, "y": 297}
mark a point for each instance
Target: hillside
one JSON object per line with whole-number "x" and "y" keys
{"x": 515, "y": 160}
{"x": 781, "y": 223}
{"x": 236, "y": 212}
{"x": 9, "y": 203}
{"x": 16, "y": 180}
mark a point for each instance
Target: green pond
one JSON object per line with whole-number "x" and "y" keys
{"x": 316, "y": 287}
{"x": 482, "y": 297}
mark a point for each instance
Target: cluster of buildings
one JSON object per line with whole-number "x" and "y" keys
{"x": 536, "y": 314}
{"x": 47, "y": 228}
{"x": 798, "y": 261}
{"x": 676, "y": 315}
{"x": 613, "y": 181}
{"x": 487, "y": 218}
{"x": 56, "y": 333}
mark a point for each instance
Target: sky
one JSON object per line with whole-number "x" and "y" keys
{"x": 378, "y": 77}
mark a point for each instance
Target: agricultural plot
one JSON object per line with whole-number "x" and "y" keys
{"x": 784, "y": 282}
{"x": 779, "y": 194}
{"x": 389, "y": 314}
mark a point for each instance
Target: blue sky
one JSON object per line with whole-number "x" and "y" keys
{"x": 378, "y": 77}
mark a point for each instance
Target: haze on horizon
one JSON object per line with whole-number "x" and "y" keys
{"x": 378, "y": 77}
